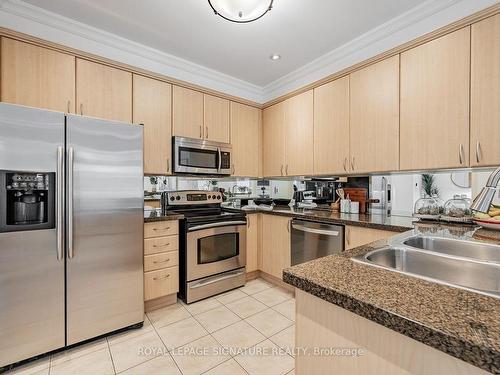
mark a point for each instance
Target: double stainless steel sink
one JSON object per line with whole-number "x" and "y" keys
{"x": 470, "y": 265}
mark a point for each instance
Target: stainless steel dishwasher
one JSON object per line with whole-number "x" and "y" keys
{"x": 311, "y": 240}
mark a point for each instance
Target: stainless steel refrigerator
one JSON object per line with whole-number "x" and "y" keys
{"x": 71, "y": 229}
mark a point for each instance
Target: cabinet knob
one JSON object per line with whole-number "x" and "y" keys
{"x": 168, "y": 165}
{"x": 461, "y": 155}
{"x": 352, "y": 163}
{"x": 81, "y": 109}
{"x": 233, "y": 169}
{"x": 206, "y": 132}
{"x": 69, "y": 104}
{"x": 201, "y": 131}
{"x": 282, "y": 169}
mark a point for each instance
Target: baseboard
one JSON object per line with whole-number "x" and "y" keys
{"x": 276, "y": 281}
{"x": 252, "y": 275}
{"x": 158, "y": 303}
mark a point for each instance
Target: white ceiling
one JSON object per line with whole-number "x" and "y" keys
{"x": 299, "y": 30}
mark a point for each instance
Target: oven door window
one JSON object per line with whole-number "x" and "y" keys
{"x": 197, "y": 158}
{"x": 218, "y": 247}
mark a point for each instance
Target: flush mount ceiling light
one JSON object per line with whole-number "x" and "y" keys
{"x": 241, "y": 11}
{"x": 275, "y": 57}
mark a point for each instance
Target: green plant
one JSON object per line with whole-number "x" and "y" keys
{"x": 428, "y": 185}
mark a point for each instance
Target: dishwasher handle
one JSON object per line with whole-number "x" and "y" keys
{"x": 303, "y": 228}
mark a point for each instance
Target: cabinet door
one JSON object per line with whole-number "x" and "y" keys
{"x": 299, "y": 134}
{"x": 187, "y": 113}
{"x": 252, "y": 242}
{"x": 37, "y": 77}
{"x": 276, "y": 244}
{"x": 273, "y": 140}
{"x": 246, "y": 131}
{"x": 152, "y": 107}
{"x": 103, "y": 91}
{"x": 357, "y": 236}
{"x": 216, "y": 118}
{"x": 485, "y": 93}
{"x": 331, "y": 127}
{"x": 435, "y": 103}
{"x": 374, "y": 111}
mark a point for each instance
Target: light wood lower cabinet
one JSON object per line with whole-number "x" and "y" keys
{"x": 276, "y": 244}
{"x": 153, "y": 108}
{"x": 37, "y": 77}
{"x": 358, "y": 236}
{"x": 161, "y": 261}
{"x": 435, "y": 103}
{"x": 374, "y": 123}
{"x": 321, "y": 324}
{"x": 161, "y": 283}
{"x": 252, "y": 242}
{"x": 103, "y": 91}
{"x": 485, "y": 93}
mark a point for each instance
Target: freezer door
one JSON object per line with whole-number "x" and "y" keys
{"x": 31, "y": 263}
{"x": 105, "y": 202}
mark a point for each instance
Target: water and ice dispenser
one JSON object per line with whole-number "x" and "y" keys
{"x": 27, "y": 200}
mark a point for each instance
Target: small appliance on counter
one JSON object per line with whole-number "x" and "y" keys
{"x": 212, "y": 244}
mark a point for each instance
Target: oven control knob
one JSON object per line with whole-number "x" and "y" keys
{"x": 172, "y": 198}
{"x": 218, "y": 196}
{"x": 178, "y": 197}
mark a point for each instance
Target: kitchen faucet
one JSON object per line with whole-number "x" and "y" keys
{"x": 483, "y": 201}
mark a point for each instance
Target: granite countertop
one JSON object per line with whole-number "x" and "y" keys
{"x": 458, "y": 322}
{"x": 158, "y": 215}
{"x": 375, "y": 221}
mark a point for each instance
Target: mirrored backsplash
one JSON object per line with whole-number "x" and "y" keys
{"x": 398, "y": 191}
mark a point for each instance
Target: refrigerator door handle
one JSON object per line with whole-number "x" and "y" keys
{"x": 59, "y": 203}
{"x": 71, "y": 158}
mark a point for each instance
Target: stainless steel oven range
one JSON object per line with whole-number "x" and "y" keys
{"x": 212, "y": 244}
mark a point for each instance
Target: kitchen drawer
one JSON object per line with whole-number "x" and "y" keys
{"x": 161, "y": 283}
{"x": 161, "y": 228}
{"x": 161, "y": 260}
{"x": 160, "y": 244}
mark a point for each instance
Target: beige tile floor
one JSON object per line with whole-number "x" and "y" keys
{"x": 253, "y": 322}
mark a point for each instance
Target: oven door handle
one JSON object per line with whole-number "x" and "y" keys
{"x": 216, "y": 279}
{"x": 303, "y": 228}
{"x": 215, "y": 225}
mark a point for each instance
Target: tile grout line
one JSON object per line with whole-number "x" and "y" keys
{"x": 111, "y": 356}
{"x": 168, "y": 351}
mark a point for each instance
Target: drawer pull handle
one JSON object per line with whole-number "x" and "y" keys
{"x": 167, "y": 244}
{"x": 167, "y": 228}
{"x": 161, "y": 278}
{"x": 161, "y": 261}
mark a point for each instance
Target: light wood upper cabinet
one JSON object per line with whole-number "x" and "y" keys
{"x": 435, "y": 103}
{"x": 485, "y": 93}
{"x": 273, "y": 140}
{"x": 103, "y": 91}
{"x": 37, "y": 77}
{"x": 331, "y": 127}
{"x": 187, "y": 113}
{"x": 216, "y": 118}
{"x": 246, "y": 132}
{"x": 276, "y": 244}
{"x": 299, "y": 134}
{"x": 374, "y": 123}
{"x": 153, "y": 108}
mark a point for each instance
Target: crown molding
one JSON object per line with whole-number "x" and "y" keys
{"x": 422, "y": 19}
{"x": 28, "y": 19}
{"x": 428, "y": 16}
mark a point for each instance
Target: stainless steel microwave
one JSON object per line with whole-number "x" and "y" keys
{"x": 197, "y": 156}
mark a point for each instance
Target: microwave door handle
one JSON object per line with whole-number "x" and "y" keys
{"x": 215, "y": 225}
{"x": 220, "y": 159}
